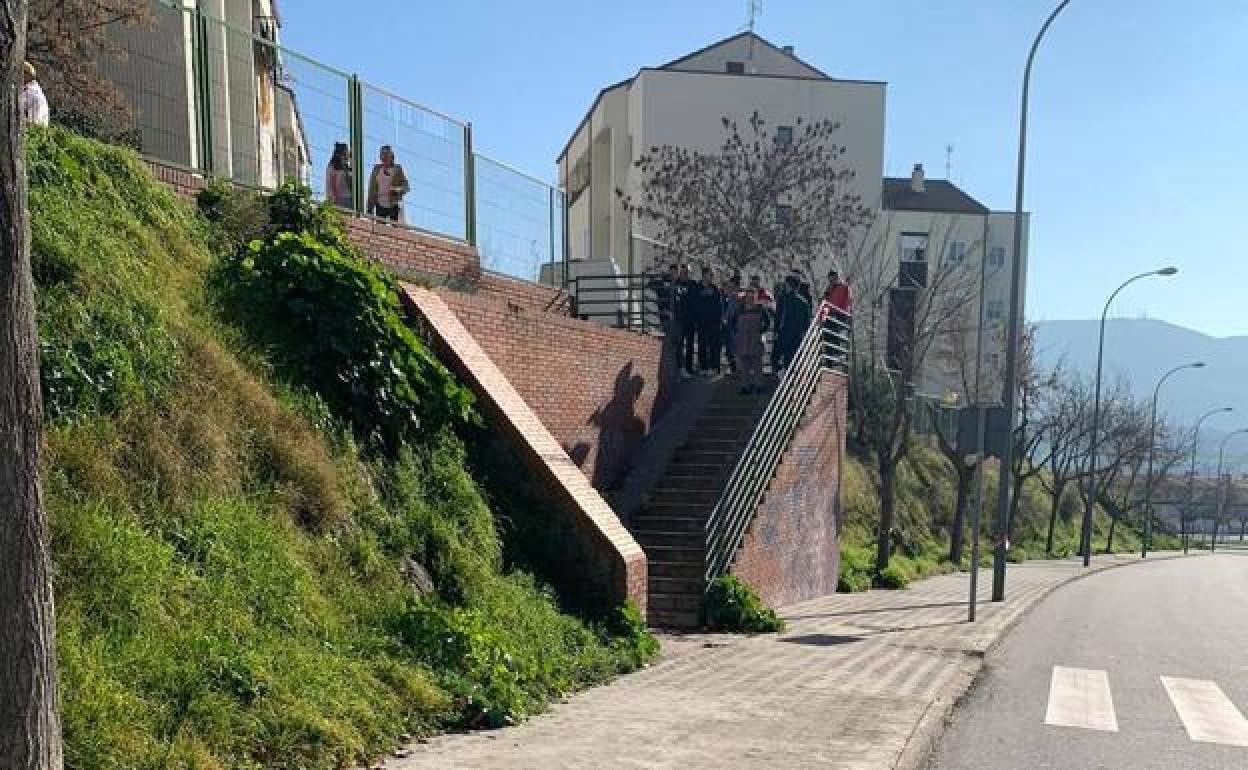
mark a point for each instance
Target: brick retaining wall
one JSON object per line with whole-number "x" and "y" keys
{"x": 790, "y": 552}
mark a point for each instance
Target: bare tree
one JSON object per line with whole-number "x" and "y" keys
{"x": 935, "y": 313}
{"x": 30, "y": 733}
{"x": 1068, "y": 420}
{"x": 766, "y": 201}
{"x": 1032, "y": 446}
{"x": 67, "y": 40}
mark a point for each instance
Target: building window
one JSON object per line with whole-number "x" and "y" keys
{"x": 784, "y": 136}
{"x": 996, "y": 256}
{"x": 784, "y": 214}
{"x": 957, "y": 252}
{"x": 913, "y": 247}
{"x": 735, "y": 68}
{"x": 995, "y": 309}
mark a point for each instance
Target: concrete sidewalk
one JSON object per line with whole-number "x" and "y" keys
{"x": 857, "y": 681}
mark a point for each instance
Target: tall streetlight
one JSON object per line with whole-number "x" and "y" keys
{"x": 1191, "y": 478}
{"x": 1219, "y": 500}
{"x": 1011, "y": 349}
{"x": 1152, "y": 442}
{"x": 1096, "y": 411}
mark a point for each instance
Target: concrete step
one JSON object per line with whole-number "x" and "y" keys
{"x": 676, "y": 510}
{"x": 715, "y": 459}
{"x": 675, "y": 619}
{"x": 686, "y": 602}
{"x": 700, "y": 479}
{"x": 666, "y": 493}
{"x": 669, "y": 585}
{"x": 675, "y": 553}
{"x": 666, "y": 538}
{"x": 704, "y": 444}
{"x": 644, "y": 521}
{"x": 683, "y": 570}
{"x": 733, "y": 433}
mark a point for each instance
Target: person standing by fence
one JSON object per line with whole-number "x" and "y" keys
{"x": 709, "y": 314}
{"x": 837, "y": 294}
{"x": 683, "y": 300}
{"x": 386, "y": 187}
{"x": 794, "y": 318}
{"x": 34, "y": 104}
{"x": 753, "y": 321}
{"x": 338, "y": 179}
{"x": 731, "y": 300}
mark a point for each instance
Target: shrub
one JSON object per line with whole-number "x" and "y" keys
{"x": 856, "y": 566}
{"x": 237, "y": 215}
{"x": 894, "y": 576}
{"x": 1016, "y": 555}
{"x": 732, "y": 605}
{"x": 331, "y": 321}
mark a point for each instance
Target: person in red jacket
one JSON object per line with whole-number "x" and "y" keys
{"x": 837, "y": 293}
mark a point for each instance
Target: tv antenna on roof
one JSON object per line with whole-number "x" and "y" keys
{"x": 949, "y": 161}
{"x": 755, "y": 10}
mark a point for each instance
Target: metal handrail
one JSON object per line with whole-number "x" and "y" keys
{"x": 825, "y": 345}
{"x": 627, "y": 300}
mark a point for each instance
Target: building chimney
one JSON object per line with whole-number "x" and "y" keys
{"x": 916, "y": 179}
{"x": 788, "y": 49}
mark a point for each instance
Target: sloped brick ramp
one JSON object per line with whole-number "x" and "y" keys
{"x": 608, "y": 554}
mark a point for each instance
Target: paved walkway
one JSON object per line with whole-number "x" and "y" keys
{"x": 857, "y": 681}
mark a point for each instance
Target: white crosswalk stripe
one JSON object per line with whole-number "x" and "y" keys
{"x": 1080, "y": 697}
{"x": 1207, "y": 714}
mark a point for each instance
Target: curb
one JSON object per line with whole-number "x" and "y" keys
{"x": 931, "y": 725}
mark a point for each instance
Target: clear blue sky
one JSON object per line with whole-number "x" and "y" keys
{"x": 1139, "y": 111}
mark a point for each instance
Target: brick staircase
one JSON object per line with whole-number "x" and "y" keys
{"x": 670, "y": 526}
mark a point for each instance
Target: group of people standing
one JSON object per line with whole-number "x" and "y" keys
{"x": 714, "y": 324}
{"x": 386, "y": 185}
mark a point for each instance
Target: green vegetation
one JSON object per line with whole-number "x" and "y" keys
{"x": 255, "y": 565}
{"x": 925, "y": 503}
{"x": 732, "y": 605}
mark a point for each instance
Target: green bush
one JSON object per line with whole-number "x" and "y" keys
{"x": 857, "y": 564}
{"x": 331, "y": 321}
{"x": 732, "y": 605}
{"x": 1016, "y": 555}
{"x": 894, "y": 576}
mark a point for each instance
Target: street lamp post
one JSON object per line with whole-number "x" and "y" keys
{"x": 1191, "y": 477}
{"x": 1219, "y": 500}
{"x": 1152, "y": 442}
{"x": 1086, "y": 544}
{"x": 1011, "y": 348}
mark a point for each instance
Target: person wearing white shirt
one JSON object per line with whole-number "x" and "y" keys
{"x": 34, "y": 103}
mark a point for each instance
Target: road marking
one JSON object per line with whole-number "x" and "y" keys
{"x": 1208, "y": 715}
{"x": 1079, "y": 697}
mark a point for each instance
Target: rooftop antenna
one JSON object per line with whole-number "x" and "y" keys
{"x": 755, "y": 10}
{"x": 949, "y": 161}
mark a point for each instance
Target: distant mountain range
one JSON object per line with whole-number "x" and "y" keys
{"x": 1140, "y": 351}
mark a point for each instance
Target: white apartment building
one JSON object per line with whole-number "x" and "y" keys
{"x": 931, "y": 236}
{"x": 221, "y": 104}
{"x": 682, "y": 103}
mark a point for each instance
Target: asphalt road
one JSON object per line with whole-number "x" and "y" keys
{"x": 1078, "y": 683}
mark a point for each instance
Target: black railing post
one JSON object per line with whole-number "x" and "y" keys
{"x": 355, "y": 112}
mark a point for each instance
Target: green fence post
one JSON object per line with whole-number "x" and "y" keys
{"x": 203, "y": 88}
{"x": 355, "y": 109}
{"x": 470, "y": 188}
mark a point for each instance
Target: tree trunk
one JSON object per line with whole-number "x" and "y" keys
{"x": 1242, "y": 523}
{"x": 30, "y": 732}
{"x": 1109, "y": 541}
{"x": 888, "y": 484}
{"x": 1055, "y": 507}
{"x": 1019, "y": 483}
{"x": 965, "y": 477}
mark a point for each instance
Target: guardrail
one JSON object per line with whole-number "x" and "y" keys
{"x": 621, "y": 301}
{"x": 229, "y": 102}
{"x": 826, "y": 345}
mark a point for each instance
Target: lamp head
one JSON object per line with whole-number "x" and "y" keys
{"x": 1197, "y": 365}
{"x": 1168, "y": 271}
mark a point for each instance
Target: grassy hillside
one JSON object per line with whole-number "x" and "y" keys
{"x": 925, "y": 506}
{"x": 252, "y": 568}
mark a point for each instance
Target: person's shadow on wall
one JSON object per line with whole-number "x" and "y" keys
{"x": 620, "y": 431}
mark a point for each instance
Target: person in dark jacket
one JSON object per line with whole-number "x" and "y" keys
{"x": 794, "y": 318}
{"x": 708, "y": 316}
{"x": 683, "y": 314}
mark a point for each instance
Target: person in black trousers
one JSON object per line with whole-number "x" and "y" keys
{"x": 709, "y": 314}
{"x": 684, "y": 317}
